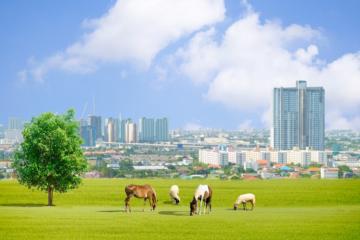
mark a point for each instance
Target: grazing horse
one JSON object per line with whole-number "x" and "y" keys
{"x": 140, "y": 191}
{"x": 243, "y": 199}
{"x": 174, "y": 194}
{"x": 204, "y": 194}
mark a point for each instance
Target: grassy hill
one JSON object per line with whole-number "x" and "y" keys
{"x": 286, "y": 209}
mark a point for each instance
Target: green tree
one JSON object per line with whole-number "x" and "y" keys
{"x": 343, "y": 169}
{"x": 50, "y": 157}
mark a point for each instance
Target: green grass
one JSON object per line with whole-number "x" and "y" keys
{"x": 286, "y": 209}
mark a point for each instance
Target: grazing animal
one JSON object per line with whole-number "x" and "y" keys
{"x": 174, "y": 194}
{"x": 140, "y": 191}
{"x": 204, "y": 194}
{"x": 243, "y": 199}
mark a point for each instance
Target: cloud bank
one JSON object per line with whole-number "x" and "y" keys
{"x": 134, "y": 31}
{"x": 253, "y": 56}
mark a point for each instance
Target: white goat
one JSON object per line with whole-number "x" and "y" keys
{"x": 243, "y": 199}
{"x": 174, "y": 194}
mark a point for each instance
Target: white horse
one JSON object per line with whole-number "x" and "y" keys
{"x": 204, "y": 194}
{"x": 174, "y": 194}
{"x": 243, "y": 199}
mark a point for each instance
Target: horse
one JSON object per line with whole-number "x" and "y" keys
{"x": 243, "y": 199}
{"x": 204, "y": 194}
{"x": 174, "y": 194}
{"x": 140, "y": 191}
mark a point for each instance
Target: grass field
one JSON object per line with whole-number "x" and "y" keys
{"x": 286, "y": 209}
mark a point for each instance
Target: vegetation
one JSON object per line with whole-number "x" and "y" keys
{"x": 286, "y": 209}
{"x": 50, "y": 158}
{"x": 344, "y": 169}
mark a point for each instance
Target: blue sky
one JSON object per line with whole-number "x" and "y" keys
{"x": 215, "y": 68}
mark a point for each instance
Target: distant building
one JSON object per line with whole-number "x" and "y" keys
{"x": 96, "y": 123}
{"x": 2, "y": 131}
{"x": 15, "y": 123}
{"x": 87, "y": 133}
{"x": 13, "y": 136}
{"x": 130, "y": 132}
{"x": 153, "y": 168}
{"x": 261, "y": 158}
{"x": 214, "y": 157}
{"x": 223, "y": 158}
{"x": 278, "y": 157}
{"x": 329, "y": 173}
{"x": 161, "y": 130}
{"x": 122, "y": 129}
{"x": 146, "y": 130}
{"x": 237, "y": 157}
{"x": 209, "y": 156}
{"x": 298, "y": 117}
{"x": 349, "y": 163}
{"x": 111, "y": 130}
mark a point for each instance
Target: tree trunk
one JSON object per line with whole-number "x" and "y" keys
{"x": 50, "y": 196}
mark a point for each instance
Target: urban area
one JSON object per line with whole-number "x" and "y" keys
{"x": 296, "y": 146}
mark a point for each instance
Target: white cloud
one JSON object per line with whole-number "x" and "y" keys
{"x": 307, "y": 55}
{"x": 135, "y": 31}
{"x": 338, "y": 121}
{"x": 252, "y": 57}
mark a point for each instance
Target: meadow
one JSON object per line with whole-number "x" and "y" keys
{"x": 285, "y": 209}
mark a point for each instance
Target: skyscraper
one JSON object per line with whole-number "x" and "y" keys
{"x": 95, "y": 122}
{"x": 122, "y": 129}
{"x": 146, "y": 130}
{"x": 298, "y": 117}
{"x": 111, "y": 130}
{"x": 87, "y": 133}
{"x": 2, "y": 131}
{"x": 161, "y": 129}
{"x": 130, "y": 132}
{"x": 14, "y": 123}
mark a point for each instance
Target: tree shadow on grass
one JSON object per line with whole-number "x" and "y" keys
{"x": 175, "y": 213}
{"x": 23, "y": 205}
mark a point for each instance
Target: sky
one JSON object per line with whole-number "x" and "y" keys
{"x": 202, "y": 64}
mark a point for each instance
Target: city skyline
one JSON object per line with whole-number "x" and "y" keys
{"x": 216, "y": 69}
{"x": 117, "y": 130}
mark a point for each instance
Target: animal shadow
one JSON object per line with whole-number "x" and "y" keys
{"x": 174, "y": 213}
{"x": 123, "y": 211}
{"x": 111, "y": 211}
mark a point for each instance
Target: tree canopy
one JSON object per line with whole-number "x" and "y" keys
{"x": 50, "y": 158}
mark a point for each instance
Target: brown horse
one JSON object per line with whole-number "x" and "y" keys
{"x": 140, "y": 191}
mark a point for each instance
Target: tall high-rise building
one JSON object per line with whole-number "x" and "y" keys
{"x": 146, "y": 130}
{"x": 298, "y": 117}
{"x": 14, "y": 123}
{"x": 95, "y": 122}
{"x": 83, "y": 122}
{"x": 87, "y": 133}
{"x": 130, "y": 132}
{"x": 2, "y": 131}
{"x": 111, "y": 130}
{"x": 161, "y": 129}
{"x": 122, "y": 129}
